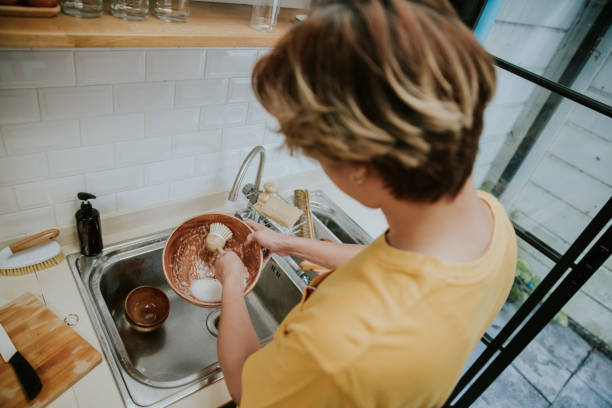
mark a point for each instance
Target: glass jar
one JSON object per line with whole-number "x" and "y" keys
{"x": 82, "y": 8}
{"x": 130, "y": 9}
{"x": 174, "y": 11}
{"x": 264, "y": 14}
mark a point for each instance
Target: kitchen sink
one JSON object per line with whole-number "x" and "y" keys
{"x": 155, "y": 369}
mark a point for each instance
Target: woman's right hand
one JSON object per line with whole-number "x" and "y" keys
{"x": 273, "y": 241}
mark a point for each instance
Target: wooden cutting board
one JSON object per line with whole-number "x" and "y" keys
{"x": 58, "y": 354}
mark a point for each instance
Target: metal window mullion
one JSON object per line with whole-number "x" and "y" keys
{"x": 555, "y": 87}
{"x": 537, "y": 243}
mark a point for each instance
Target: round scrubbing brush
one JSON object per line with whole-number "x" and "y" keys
{"x": 217, "y": 237}
{"x": 31, "y": 254}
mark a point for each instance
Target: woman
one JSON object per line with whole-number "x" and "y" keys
{"x": 388, "y": 95}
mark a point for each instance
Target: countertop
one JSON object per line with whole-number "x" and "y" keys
{"x": 209, "y": 25}
{"x": 57, "y": 288}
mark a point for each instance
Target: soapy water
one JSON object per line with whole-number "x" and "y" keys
{"x": 206, "y": 290}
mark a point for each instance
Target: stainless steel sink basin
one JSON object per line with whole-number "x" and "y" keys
{"x": 158, "y": 368}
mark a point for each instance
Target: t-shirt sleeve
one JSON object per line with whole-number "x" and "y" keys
{"x": 284, "y": 374}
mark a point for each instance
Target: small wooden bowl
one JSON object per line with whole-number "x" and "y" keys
{"x": 186, "y": 245}
{"x": 146, "y": 308}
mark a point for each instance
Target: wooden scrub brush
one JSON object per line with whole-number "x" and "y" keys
{"x": 218, "y": 235}
{"x": 31, "y": 254}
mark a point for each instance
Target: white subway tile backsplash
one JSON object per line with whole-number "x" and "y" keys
{"x": 143, "y": 151}
{"x": 275, "y": 170}
{"x": 41, "y": 136}
{"x": 26, "y": 222}
{"x": 257, "y": 113}
{"x": 223, "y": 115}
{"x": 18, "y": 106}
{"x": 49, "y": 191}
{"x": 225, "y": 179}
{"x": 20, "y": 169}
{"x": 263, "y": 52}
{"x": 65, "y": 212}
{"x": 163, "y": 172}
{"x": 272, "y": 137}
{"x": 230, "y": 63}
{"x": 114, "y": 180}
{"x": 192, "y": 187}
{"x": 107, "y": 67}
{"x": 32, "y": 195}
{"x": 171, "y": 122}
{"x": 175, "y": 64}
{"x": 129, "y": 200}
{"x": 202, "y": 142}
{"x": 234, "y": 138}
{"x": 8, "y": 202}
{"x": 75, "y": 102}
{"x": 65, "y": 189}
{"x": 275, "y": 152}
{"x": 135, "y": 127}
{"x": 201, "y": 92}
{"x": 240, "y": 90}
{"x": 27, "y": 69}
{"x": 110, "y": 129}
{"x": 212, "y": 163}
{"x": 143, "y": 97}
{"x": 81, "y": 160}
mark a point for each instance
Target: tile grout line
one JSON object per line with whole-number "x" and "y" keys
{"x": 589, "y": 354}
{"x": 531, "y": 384}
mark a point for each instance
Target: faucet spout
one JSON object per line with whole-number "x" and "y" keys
{"x": 233, "y": 194}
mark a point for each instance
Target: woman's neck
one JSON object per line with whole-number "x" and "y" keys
{"x": 456, "y": 231}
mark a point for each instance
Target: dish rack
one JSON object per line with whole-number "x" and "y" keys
{"x": 251, "y": 213}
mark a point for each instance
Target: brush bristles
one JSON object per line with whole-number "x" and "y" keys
{"x": 25, "y": 270}
{"x": 221, "y": 229}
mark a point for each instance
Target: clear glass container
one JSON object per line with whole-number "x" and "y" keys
{"x": 174, "y": 11}
{"x": 265, "y": 14}
{"x": 130, "y": 9}
{"x": 82, "y": 8}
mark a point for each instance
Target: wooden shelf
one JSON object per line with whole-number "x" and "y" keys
{"x": 209, "y": 25}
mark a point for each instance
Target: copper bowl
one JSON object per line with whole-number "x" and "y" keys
{"x": 146, "y": 308}
{"x": 185, "y": 249}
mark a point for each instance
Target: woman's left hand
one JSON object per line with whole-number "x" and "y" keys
{"x": 229, "y": 269}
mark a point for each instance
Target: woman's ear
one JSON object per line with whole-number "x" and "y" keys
{"x": 358, "y": 174}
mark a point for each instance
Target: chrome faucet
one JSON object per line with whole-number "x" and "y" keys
{"x": 233, "y": 194}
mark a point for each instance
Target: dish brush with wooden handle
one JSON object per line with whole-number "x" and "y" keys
{"x": 31, "y": 254}
{"x": 218, "y": 235}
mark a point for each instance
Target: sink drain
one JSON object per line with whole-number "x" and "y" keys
{"x": 212, "y": 322}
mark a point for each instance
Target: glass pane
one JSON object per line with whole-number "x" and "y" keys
{"x": 567, "y": 41}
{"x": 549, "y": 160}
{"x": 558, "y": 367}
{"x": 566, "y": 364}
{"x": 531, "y": 268}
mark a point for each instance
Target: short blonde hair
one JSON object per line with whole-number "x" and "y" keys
{"x": 398, "y": 85}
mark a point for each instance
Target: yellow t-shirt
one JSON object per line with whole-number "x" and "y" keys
{"x": 390, "y": 328}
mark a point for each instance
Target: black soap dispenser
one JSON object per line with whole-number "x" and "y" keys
{"x": 88, "y": 226}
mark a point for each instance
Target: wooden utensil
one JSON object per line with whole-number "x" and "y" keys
{"x": 25, "y": 11}
{"x": 58, "y": 354}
